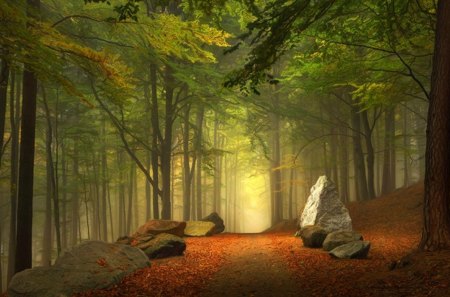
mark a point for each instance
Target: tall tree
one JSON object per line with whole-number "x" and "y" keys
{"x": 436, "y": 229}
{"x": 23, "y": 257}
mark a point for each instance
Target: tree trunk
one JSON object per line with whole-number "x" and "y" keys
{"x": 130, "y": 197}
{"x": 217, "y": 169}
{"x": 436, "y": 229}
{"x": 104, "y": 217}
{"x": 121, "y": 194}
{"x": 186, "y": 166}
{"x": 276, "y": 164}
{"x": 370, "y": 155}
{"x": 155, "y": 141}
{"x": 75, "y": 195}
{"x": 166, "y": 146}
{"x": 343, "y": 164}
{"x": 406, "y": 145}
{"x": 51, "y": 176}
{"x": 23, "y": 256}
{"x": 4, "y": 78}
{"x": 358, "y": 156}
{"x": 14, "y": 116}
{"x": 388, "y": 179}
{"x": 198, "y": 153}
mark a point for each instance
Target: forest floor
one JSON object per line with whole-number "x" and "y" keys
{"x": 277, "y": 264}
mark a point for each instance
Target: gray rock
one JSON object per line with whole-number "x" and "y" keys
{"x": 156, "y": 227}
{"x": 324, "y": 208}
{"x": 89, "y": 265}
{"x": 313, "y": 236}
{"x": 338, "y": 238}
{"x": 199, "y": 228}
{"x": 163, "y": 245}
{"x": 217, "y": 220}
{"x": 352, "y": 250}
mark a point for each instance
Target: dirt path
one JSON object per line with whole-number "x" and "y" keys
{"x": 253, "y": 269}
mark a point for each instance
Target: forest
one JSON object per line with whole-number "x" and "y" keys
{"x": 114, "y": 113}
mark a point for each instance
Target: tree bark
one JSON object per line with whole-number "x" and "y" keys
{"x": 51, "y": 183}
{"x": 436, "y": 229}
{"x": 187, "y": 177}
{"x": 370, "y": 155}
{"x": 14, "y": 115}
{"x": 358, "y": 156}
{"x": 4, "y": 78}
{"x": 388, "y": 179}
{"x": 198, "y": 154}
{"x": 75, "y": 195}
{"x": 343, "y": 164}
{"x": 23, "y": 256}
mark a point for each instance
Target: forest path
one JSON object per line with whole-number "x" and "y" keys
{"x": 254, "y": 268}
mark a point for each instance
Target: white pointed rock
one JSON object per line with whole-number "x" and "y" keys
{"x": 324, "y": 208}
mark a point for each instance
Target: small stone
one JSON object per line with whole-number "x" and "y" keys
{"x": 353, "y": 250}
{"x": 313, "y": 236}
{"x": 216, "y": 220}
{"x": 338, "y": 238}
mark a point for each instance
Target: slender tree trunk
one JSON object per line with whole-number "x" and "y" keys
{"x": 343, "y": 164}
{"x": 121, "y": 194}
{"x": 155, "y": 141}
{"x": 217, "y": 179}
{"x": 130, "y": 197}
{"x": 104, "y": 217}
{"x": 23, "y": 255}
{"x": 334, "y": 156}
{"x": 47, "y": 238}
{"x": 406, "y": 145}
{"x": 51, "y": 176}
{"x": 436, "y": 230}
{"x": 358, "y": 156}
{"x": 166, "y": 147}
{"x": 275, "y": 165}
{"x": 370, "y": 155}
{"x": 393, "y": 154}
{"x": 198, "y": 153}
{"x": 14, "y": 116}
{"x": 86, "y": 208}
{"x": 75, "y": 195}
{"x": 186, "y": 166}
{"x": 4, "y": 78}
{"x": 64, "y": 195}
{"x": 388, "y": 179}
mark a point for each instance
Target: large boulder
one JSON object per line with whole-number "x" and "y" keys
{"x": 324, "y": 208}
{"x": 352, "y": 250}
{"x": 89, "y": 265}
{"x": 161, "y": 246}
{"x": 217, "y": 220}
{"x": 338, "y": 238}
{"x": 156, "y": 227}
{"x": 199, "y": 228}
{"x": 313, "y": 236}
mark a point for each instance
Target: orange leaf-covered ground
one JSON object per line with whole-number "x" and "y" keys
{"x": 276, "y": 263}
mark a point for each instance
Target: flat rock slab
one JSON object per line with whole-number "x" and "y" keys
{"x": 352, "y": 250}
{"x": 163, "y": 245}
{"x": 254, "y": 269}
{"x": 338, "y": 238}
{"x": 89, "y": 265}
{"x": 199, "y": 228}
{"x": 156, "y": 227}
